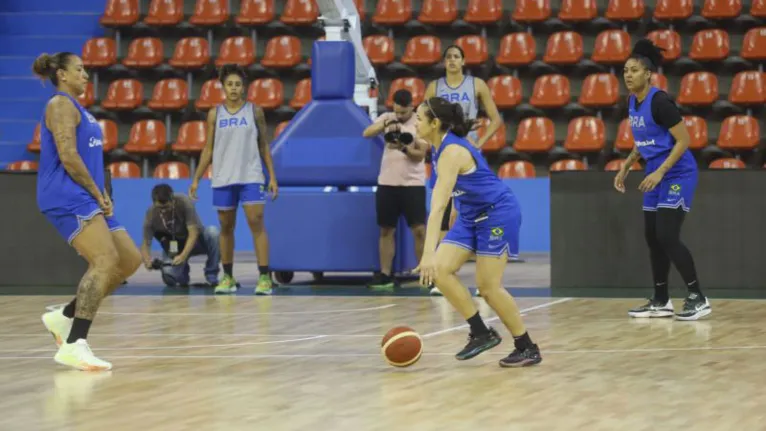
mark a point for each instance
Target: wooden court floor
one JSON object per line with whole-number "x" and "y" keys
{"x": 295, "y": 363}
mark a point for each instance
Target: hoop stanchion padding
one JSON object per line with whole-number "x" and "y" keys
{"x": 332, "y": 70}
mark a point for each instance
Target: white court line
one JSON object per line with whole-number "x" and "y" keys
{"x": 491, "y": 319}
{"x": 258, "y": 343}
{"x": 275, "y": 313}
{"x": 365, "y": 355}
{"x": 126, "y": 335}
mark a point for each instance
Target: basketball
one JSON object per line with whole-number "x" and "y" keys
{"x": 401, "y": 346}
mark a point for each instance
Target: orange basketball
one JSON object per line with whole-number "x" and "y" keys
{"x": 401, "y": 346}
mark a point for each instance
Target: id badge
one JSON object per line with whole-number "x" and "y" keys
{"x": 173, "y": 247}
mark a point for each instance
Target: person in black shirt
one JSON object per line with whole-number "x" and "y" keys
{"x": 174, "y": 223}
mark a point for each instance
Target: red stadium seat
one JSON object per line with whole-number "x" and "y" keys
{"x": 124, "y": 94}
{"x": 585, "y": 134}
{"x": 256, "y": 12}
{"x": 516, "y": 49}
{"x": 300, "y": 12}
{"x": 659, "y": 81}
{"x": 192, "y": 137}
{"x": 598, "y": 90}
{"x": 550, "y": 91}
{"x": 283, "y": 52}
{"x": 535, "y": 134}
{"x": 475, "y": 49}
{"x": 379, "y": 48}
{"x": 146, "y": 137}
{"x": 169, "y": 95}
{"x": 697, "y": 128}
{"x": 88, "y": 98}
{"x": 483, "y": 12}
{"x": 34, "y": 145}
{"x": 516, "y": 169}
{"x": 392, "y": 12}
{"x": 360, "y": 9}
{"x": 672, "y": 10}
{"x": 612, "y": 47}
{"x": 568, "y": 165}
{"x": 109, "y": 132}
{"x": 438, "y": 12}
{"x": 617, "y": 164}
{"x": 531, "y": 11}
{"x": 624, "y": 140}
{"x": 739, "y": 133}
{"x": 564, "y": 48}
{"x": 22, "y": 165}
{"x": 748, "y": 88}
{"x": 191, "y": 53}
{"x": 505, "y": 91}
{"x": 99, "y": 52}
{"x": 172, "y": 170}
{"x": 710, "y": 45}
{"x": 236, "y": 50}
{"x": 145, "y": 52}
{"x": 165, "y": 13}
{"x": 754, "y": 44}
{"x": 625, "y": 10}
{"x": 578, "y": 10}
{"x": 727, "y": 163}
{"x": 721, "y": 9}
{"x": 124, "y": 170}
{"x": 422, "y": 51}
{"x": 496, "y": 142}
{"x": 210, "y": 12}
{"x": 416, "y": 86}
{"x": 268, "y": 93}
{"x": 280, "y": 128}
{"x": 698, "y": 89}
{"x": 758, "y": 9}
{"x": 120, "y": 13}
{"x": 302, "y": 94}
{"x": 211, "y": 94}
{"x": 669, "y": 41}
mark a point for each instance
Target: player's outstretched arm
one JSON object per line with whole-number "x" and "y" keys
{"x": 265, "y": 150}
{"x": 447, "y": 171}
{"x": 62, "y": 118}
{"x": 207, "y": 153}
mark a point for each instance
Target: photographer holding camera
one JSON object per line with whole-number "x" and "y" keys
{"x": 401, "y": 183}
{"x": 175, "y": 224}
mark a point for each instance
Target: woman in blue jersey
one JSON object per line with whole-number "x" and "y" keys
{"x": 72, "y": 195}
{"x": 238, "y": 149}
{"x": 661, "y": 138}
{"x": 489, "y": 218}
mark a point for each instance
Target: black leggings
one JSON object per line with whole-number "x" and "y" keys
{"x": 663, "y": 235}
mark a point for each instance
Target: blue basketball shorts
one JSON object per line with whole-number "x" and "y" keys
{"x": 70, "y": 222}
{"x": 230, "y": 197}
{"x": 672, "y": 193}
{"x": 496, "y": 233}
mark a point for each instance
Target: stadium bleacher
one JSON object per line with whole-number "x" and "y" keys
{"x": 554, "y": 69}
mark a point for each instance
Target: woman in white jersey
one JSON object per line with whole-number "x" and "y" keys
{"x": 238, "y": 149}
{"x": 469, "y": 92}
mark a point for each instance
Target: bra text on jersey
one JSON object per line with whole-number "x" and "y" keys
{"x": 456, "y": 97}
{"x": 637, "y": 121}
{"x": 232, "y": 122}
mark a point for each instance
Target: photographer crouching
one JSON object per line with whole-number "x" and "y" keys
{"x": 401, "y": 184}
{"x": 175, "y": 224}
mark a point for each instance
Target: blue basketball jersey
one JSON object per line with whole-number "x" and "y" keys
{"x": 55, "y": 188}
{"x": 478, "y": 191}
{"x": 654, "y": 141}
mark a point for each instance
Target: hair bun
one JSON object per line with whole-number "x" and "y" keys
{"x": 645, "y": 48}
{"x": 43, "y": 66}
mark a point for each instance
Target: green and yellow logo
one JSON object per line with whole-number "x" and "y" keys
{"x": 675, "y": 187}
{"x": 497, "y": 231}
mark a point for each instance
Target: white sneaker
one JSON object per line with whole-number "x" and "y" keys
{"x": 58, "y": 325}
{"x": 434, "y": 291}
{"x": 78, "y": 355}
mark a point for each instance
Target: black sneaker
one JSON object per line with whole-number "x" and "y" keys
{"x": 696, "y": 306}
{"x": 382, "y": 281}
{"x": 478, "y": 344}
{"x": 522, "y": 358}
{"x": 653, "y": 308}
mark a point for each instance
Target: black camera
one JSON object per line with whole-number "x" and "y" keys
{"x": 397, "y": 136}
{"x": 158, "y": 264}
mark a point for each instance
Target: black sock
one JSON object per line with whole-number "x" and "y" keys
{"x": 523, "y": 342}
{"x": 661, "y": 293}
{"x": 264, "y": 270}
{"x": 80, "y": 328}
{"x": 694, "y": 287}
{"x": 477, "y": 325}
{"x": 69, "y": 309}
{"x": 227, "y": 269}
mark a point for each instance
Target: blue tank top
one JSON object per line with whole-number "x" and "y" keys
{"x": 654, "y": 141}
{"x": 56, "y": 190}
{"x": 476, "y": 192}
